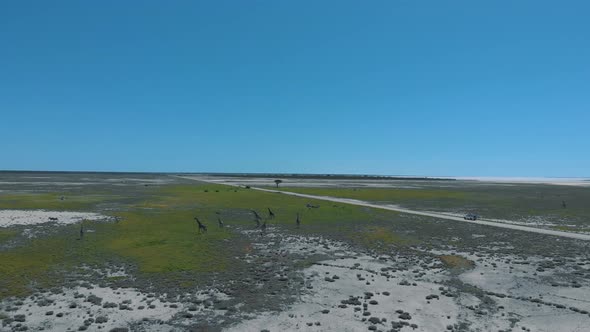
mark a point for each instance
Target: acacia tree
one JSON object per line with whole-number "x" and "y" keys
{"x": 277, "y": 182}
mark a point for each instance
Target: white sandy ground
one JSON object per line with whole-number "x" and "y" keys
{"x": 525, "y": 281}
{"x": 438, "y": 215}
{"x": 73, "y": 318}
{"x": 303, "y": 183}
{"x": 393, "y": 182}
{"x": 33, "y": 217}
{"x": 139, "y": 180}
{"x": 322, "y": 295}
{"x": 318, "y": 294}
{"x": 579, "y": 182}
{"x": 428, "y": 315}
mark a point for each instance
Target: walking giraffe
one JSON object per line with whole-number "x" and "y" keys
{"x": 202, "y": 227}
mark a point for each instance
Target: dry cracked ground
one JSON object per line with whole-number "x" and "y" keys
{"x": 375, "y": 272}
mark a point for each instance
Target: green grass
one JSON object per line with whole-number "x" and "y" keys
{"x": 205, "y": 204}
{"x": 157, "y": 232}
{"x": 158, "y": 235}
{"x": 26, "y": 266}
{"x": 7, "y": 234}
{"x": 501, "y": 202}
{"x": 571, "y": 229}
{"x": 457, "y": 262}
{"x": 380, "y": 235}
{"x": 51, "y": 201}
{"x": 382, "y": 194}
{"x": 168, "y": 242}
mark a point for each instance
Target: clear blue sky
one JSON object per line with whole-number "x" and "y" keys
{"x": 472, "y": 88}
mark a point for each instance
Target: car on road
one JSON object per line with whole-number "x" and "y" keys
{"x": 471, "y": 216}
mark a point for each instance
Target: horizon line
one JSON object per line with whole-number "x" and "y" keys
{"x": 459, "y": 177}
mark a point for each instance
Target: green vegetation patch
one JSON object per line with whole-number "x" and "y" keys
{"x": 384, "y": 235}
{"x": 571, "y": 229}
{"x": 168, "y": 241}
{"x": 156, "y": 232}
{"x": 555, "y": 204}
{"x": 381, "y": 194}
{"x": 27, "y": 267}
{"x": 51, "y": 201}
{"x": 457, "y": 262}
{"x": 7, "y": 234}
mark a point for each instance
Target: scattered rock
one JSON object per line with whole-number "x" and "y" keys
{"x": 374, "y": 320}
{"x": 110, "y": 305}
{"x": 94, "y": 299}
{"x": 405, "y": 316}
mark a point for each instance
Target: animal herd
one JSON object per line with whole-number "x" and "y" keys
{"x": 202, "y": 228}
{"x": 260, "y": 221}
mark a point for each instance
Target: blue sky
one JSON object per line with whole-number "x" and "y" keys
{"x": 457, "y": 88}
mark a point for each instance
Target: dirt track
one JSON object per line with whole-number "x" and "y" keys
{"x": 435, "y": 215}
{"x": 485, "y": 222}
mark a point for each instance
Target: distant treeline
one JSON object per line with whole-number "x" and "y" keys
{"x": 328, "y": 176}
{"x": 250, "y": 175}
{"x": 79, "y": 172}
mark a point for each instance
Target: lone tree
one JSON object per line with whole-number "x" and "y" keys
{"x": 277, "y": 182}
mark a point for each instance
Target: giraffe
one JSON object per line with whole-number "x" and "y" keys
{"x": 257, "y": 218}
{"x": 263, "y": 227}
{"x": 202, "y": 227}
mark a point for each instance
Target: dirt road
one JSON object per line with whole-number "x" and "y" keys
{"x": 485, "y": 222}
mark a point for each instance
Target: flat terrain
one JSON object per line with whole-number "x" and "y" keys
{"x": 100, "y": 251}
{"x": 529, "y": 204}
{"x": 439, "y": 215}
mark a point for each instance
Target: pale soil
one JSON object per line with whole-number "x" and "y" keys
{"x": 33, "y": 217}
{"x": 405, "y": 283}
{"x": 521, "y": 297}
{"x": 140, "y": 308}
